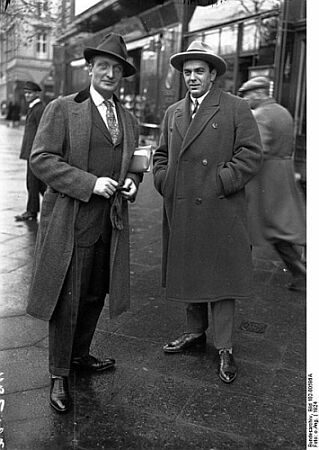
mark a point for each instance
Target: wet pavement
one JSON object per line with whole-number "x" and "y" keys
{"x": 151, "y": 400}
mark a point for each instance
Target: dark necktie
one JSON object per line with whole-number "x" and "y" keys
{"x": 195, "y": 108}
{"x": 111, "y": 122}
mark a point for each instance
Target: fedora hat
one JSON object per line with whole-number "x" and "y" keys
{"x": 31, "y": 86}
{"x": 112, "y": 45}
{"x": 255, "y": 83}
{"x": 199, "y": 50}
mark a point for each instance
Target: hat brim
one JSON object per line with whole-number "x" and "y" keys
{"x": 128, "y": 69}
{"x": 217, "y": 62}
{"x": 253, "y": 88}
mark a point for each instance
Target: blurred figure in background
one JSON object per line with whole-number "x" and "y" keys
{"x": 276, "y": 206}
{"x": 13, "y": 114}
{"x": 35, "y": 186}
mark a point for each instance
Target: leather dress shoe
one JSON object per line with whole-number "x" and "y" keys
{"x": 59, "y": 394}
{"x": 92, "y": 364}
{"x": 184, "y": 342}
{"x": 227, "y": 367}
{"x": 24, "y": 217}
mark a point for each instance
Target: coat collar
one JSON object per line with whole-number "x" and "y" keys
{"x": 190, "y": 130}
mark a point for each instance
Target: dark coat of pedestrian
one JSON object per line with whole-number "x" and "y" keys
{"x": 276, "y": 205}
{"x": 201, "y": 168}
{"x": 35, "y": 186}
{"x": 82, "y": 151}
{"x": 13, "y": 114}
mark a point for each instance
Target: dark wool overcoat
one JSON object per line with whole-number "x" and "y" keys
{"x": 60, "y": 158}
{"x": 276, "y": 205}
{"x": 201, "y": 170}
{"x": 32, "y": 121}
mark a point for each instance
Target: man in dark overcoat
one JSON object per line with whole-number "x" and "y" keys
{"x": 82, "y": 151}
{"x": 35, "y": 186}
{"x": 276, "y": 206}
{"x": 209, "y": 149}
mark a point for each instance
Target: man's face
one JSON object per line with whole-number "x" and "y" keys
{"x": 106, "y": 75}
{"x": 30, "y": 95}
{"x": 198, "y": 77}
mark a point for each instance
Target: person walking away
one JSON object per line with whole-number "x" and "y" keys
{"x": 276, "y": 206}
{"x": 209, "y": 149}
{"x": 82, "y": 151}
{"x": 35, "y": 186}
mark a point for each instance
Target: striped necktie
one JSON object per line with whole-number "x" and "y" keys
{"x": 195, "y": 108}
{"x": 111, "y": 121}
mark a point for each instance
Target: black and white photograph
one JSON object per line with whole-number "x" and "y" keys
{"x": 156, "y": 167}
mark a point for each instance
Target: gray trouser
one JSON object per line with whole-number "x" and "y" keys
{"x": 223, "y": 312}
{"x": 75, "y": 317}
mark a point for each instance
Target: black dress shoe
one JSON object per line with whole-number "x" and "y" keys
{"x": 227, "y": 367}
{"x": 92, "y": 364}
{"x": 184, "y": 342}
{"x": 59, "y": 394}
{"x": 24, "y": 217}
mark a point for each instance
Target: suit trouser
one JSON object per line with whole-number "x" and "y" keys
{"x": 291, "y": 258}
{"x": 223, "y": 312}
{"x": 35, "y": 187}
{"x": 75, "y": 317}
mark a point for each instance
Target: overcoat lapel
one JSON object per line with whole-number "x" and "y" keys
{"x": 128, "y": 142}
{"x": 182, "y": 116}
{"x": 206, "y": 112}
{"x": 80, "y": 118}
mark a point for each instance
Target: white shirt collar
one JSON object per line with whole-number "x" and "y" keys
{"x": 199, "y": 99}
{"x": 34, "y": 102}
{"x": 97, "y": 98}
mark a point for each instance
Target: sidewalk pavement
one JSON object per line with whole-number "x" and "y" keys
{"x": 151, "y": 400}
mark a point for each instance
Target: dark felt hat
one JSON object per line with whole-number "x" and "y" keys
{"x": 112, "y": 45}
{"x": 31, "y": 86}
{"x": 199, "y": 50}
{"x": 255, "y": 83}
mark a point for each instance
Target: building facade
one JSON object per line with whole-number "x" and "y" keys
{"x": 27, "y": 35}
{"x": 255, "y": 37}
{"x": 44, "y": 42}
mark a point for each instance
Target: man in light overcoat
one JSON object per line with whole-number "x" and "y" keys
{"x": 82, "y": 151}
{"x": 209, "y": 149}
{"x": 276, "y": 205}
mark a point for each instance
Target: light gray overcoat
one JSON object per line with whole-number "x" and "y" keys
{"x": 201, "y": 170}
{"x": 60, "y": 158}
{"x": 276, "y": 207}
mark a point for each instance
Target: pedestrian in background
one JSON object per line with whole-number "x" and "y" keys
{"x": 209, "y": 149}
{"x": 13, "y": 114}
{"x": 276, "y": 204}
{"x": 82, "y": 151}
{"x": 35, "y": 186}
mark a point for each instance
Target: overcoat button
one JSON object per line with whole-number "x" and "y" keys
{"x": 215, "y": 125}
{"x": 198, "y": 201}
{"x": 204, "y": 162}
{"x": 62, "y": 195}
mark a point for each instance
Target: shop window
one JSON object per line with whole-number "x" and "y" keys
{"x": 250, "y": 39}
{"x": 228, "y": 40}
{"x": 268, "y": 31}
{"x": 213, "y": 40}
{"x": 42, "y": 45}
